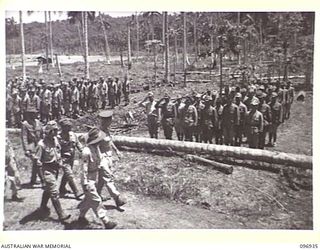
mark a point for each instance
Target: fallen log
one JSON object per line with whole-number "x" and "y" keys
{"x": 273, "y": 157}
{"x": 258, "y": 165}
{"x": 300, "y": 161}
{"x": 227, "y": 169}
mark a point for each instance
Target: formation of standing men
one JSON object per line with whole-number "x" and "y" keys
{"x": 70, "y": 99}
{"x": 233, "y": 117}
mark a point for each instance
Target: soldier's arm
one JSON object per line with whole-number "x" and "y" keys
{"x": 79, "y": 145}
{"x": 196, "y": 116}
{"x": 38, "y": 154}
{"x": 215, "y": 118}
{"x": 261, "y": 123}
{"x": 237, "y": 114}
{"x": 119, "y": 154}
{"x": 86, "y": 154}
{"x": 24, "y": 139}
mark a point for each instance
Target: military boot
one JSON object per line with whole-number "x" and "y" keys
{"x": 57, "y": 206}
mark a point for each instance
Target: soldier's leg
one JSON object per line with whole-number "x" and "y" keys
{"x": 51, "y": 188}
{"x": 68, "y": 177}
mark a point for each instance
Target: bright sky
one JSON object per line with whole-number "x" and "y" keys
{"x": 38, "y": 16}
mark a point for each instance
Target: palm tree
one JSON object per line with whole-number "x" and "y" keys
{"x": 22, "y": 47}
{"x": 105, "y": 25}
{"x": 83, "y": 17}
{"x": 184, "y": 55}
{"x": 138, "y": 38}
{"x": 50, "y": 38}
{"x": 86, "y": 45}
{"x": 47, "y": 37}
{"x": 150, "y": 16}
{"x": 166, "y": 44}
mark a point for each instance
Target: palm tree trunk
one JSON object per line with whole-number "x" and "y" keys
{"x": 152, "y": 28}
{"x": 163, "y": 40}
{"x": 22, "y": 47}
{"x": 166, "y": 39}
{"x": 195, "y": 37}
{"x": 138, "y": 37}
{"x": 175, "y": 57}
{"x": 106, "y": 47}
{"x": 129, "y": 47}
{"x": 184, "y": 47}
{"x": 51, "y": 39}
{"x": 80, "y": 39}
{"x": 47, "y": 38}
{"x": 86, "y": 45}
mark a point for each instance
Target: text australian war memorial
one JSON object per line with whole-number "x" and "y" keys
{"x": 202, "y": 120}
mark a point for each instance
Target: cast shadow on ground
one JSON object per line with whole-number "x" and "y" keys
{"x": 30, "y": 186}
{"x": 75, "y": 225}
{"x": 112, "y": 207}
{"x": 35, "y": 216}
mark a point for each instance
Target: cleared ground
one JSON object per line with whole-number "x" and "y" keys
{"x": 170, "y": 192}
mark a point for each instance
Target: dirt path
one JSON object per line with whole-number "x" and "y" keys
{"x": 140, "y": 212}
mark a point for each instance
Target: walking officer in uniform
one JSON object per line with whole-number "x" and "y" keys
{"x": 68, "y": 142}
{"x": 31, "y": 134}
{"x": 105, "y": 148}
{"x": 48, "y": 157}
{"x": 91, "y": 162}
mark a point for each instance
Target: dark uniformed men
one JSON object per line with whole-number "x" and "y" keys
{"x": 178, "y": 118}
{"x": 208, "y": 120}
{"x": 190, "y": 119}
{"x": 240, "y": 129}
{"x": 152, "y": 114}
{"x": 265, "y": 110}
{"x": 276, "y": 112}
{"x": 254, "y": 122}
{"x": 230, "y": 119}
{"x": 166, "y": 116}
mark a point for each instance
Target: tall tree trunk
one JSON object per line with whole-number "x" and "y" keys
{"x": 238, "y": 31}
{"x": 152, "y": 28}
{"x": 155, "y": 62}
{"x": 129, "y": 47}
{"x": 175, "y": 57}
{"x": 86, "y": 45}
{"x": 138, "y": 37}
{"x": 184, "y": 47}
{"x": 51, "y": 39}
{"x": 163, "y": 40}
{"x": 195, "y": 37}
{"x": 47, "y": 38}
{"x": 106, "y": 43}
{"x": 166, "y": 36}
{"x": 80, "y": 39}
{"x": 22, "y": 47}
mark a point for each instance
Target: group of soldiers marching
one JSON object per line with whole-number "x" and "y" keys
{"x": 54, "y": 100}
{"x": 51, "y": 150}
{"x": 232, "y": 117}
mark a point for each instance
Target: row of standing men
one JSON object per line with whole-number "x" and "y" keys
{"x": 66, "y": 98}
{"x": 230, "y": 116}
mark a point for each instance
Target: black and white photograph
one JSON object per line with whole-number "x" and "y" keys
{"x": 158, "y": 120}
